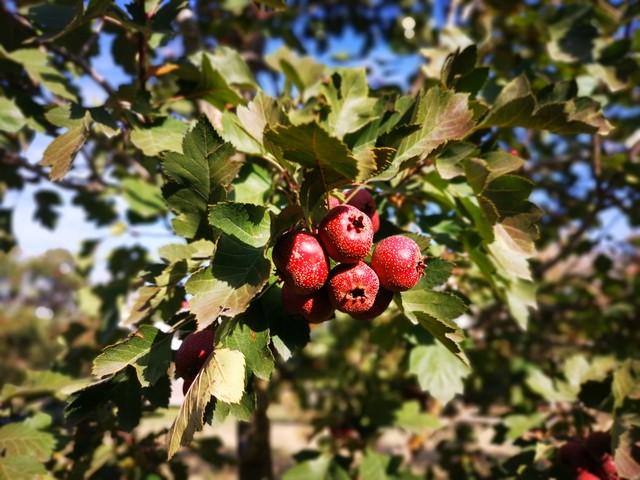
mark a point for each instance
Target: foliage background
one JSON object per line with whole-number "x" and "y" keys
{"x": 380, "y": 400}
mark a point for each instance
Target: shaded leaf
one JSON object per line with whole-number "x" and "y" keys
{"x": 222, "y": 376}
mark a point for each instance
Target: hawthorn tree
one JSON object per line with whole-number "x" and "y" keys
{"x": 501, "y": 362}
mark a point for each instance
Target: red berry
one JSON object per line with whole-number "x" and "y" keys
{"x": 363, "y": 201}
{"x": 586, "y": 475}
{"x": 398, "y": 262}
{"x": 380, "y": 304}
{"x": 574, "y": 454}
{"x": 193, "y": 352}
{"x": 346, "y": 233}
{"x": 608, "y": 467}
{"x": 353, "y": 287}
{"x": 301, "y": 261}
{"x": 315, "y": 307}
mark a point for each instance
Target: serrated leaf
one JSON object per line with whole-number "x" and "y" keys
{"x": 249, "y": 224}
{"x": 435, "y": 312}
{"x": 444, "y": 116}
{"x": 439, "y": 371}
{"x": 249, "y": 334}
{"x": 222, "y": 376}
{"x": 236, "y": 275}
{"x": 20, "y": 467}
{"x": 60, "y": 153}
{"x": 11, "y": 117}
{"x": 231, "y": 66}
{"x": 165, "y": 136}
{"x": 198, "y": 177}
{"x": 310, "y": 146}
{"x": 19, "y": 439}
{"x": 351, "y": 106}
{"x": 436, "y": 272}
{"x": 122, "y": 354}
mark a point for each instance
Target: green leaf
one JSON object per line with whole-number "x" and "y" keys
{"x": 19, "y": 439}
{"x": 236, "y": 275}
{"x": 626, "y": 382}
{"x": 249, "y": 334}
{"x": 435, "y": 312}
{"x": 410, "y": 418}
{"x": 436, "y": 272}
{"x": 287, "y": 335}
{"x": 444, "y": 116}
{"x": 212, "y": 86}
{"x": 36, "y": 64}
{"x": 143, "y": 198}
{"x": 20, "y": 467}
{"x": 548, "y": 389}
{"x": 310, "y": 146}
{"x": 253, "y": 185}
{"x": 198, "y": 177}
{"x": 127, "y": 352}
{"x": 303, "y": 72}
{"x": 351, "y": 106}
{"x": 231, "y": 66}
{"x": 249, "y": 224}
{"x": 164, "y": 136}
{"x": 374, "y": 466}
{"x": 521, "y": 298}
{"x": 60, "y": 153}
{"x": 315, "y": 469}
{"x": 222, "y": 376}
{"x": 439, "y": 371}
{"x": 518, "y": 425}
{"x": 41, "y": 383}
{"x": 11, "y": 117}
{"x": 514, "y": 105}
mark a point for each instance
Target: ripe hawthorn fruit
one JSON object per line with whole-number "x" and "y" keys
{"x": 398, "y": 262}
{"x": 380, "y": 304}
{"x": 346, "y": 234}
{"x": 363, "y": 201}
{"x": 586, "y": 475}
{"x": 193, "y": 352}
{"x": 301, "y": 262}
{"x": 353, "y": 287}
{"x": 315, "y": 307}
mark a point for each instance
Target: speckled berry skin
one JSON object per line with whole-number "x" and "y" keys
{"x": 380, "y": 305}
{"x": 346, "y": 234}
{"x": 193, "y": 352}
{"x": 398, "y": 263}
{"x": 315, "y": 308}
{"x": 363, "y": 201}
{"x": 301, "y": 262}
{"x": 353, "y": 287}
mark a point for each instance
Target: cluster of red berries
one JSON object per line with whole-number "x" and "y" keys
{"x": 590, "y": 458}
{"x": 345, "y": 235}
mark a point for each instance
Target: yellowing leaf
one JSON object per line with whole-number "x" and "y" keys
{"x": 60, "y": 153}
{"x": 221, "y": 376}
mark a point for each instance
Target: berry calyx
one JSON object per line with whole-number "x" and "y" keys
{"x": 398, "y": 262}
{"x": 353, "y": 287}
{"x": 380, "y": 304}
{"x": 363, "y": 201}
{"x": 315, "y": 307}
{"x": 346, "y": 233}
{"x": 193, "y": 352}
{"x": 301, "y": 262}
